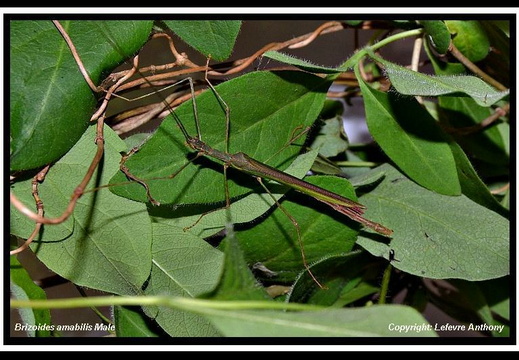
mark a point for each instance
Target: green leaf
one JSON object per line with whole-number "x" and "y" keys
{"x": 471, "y": 184}
{"x": 50, "y": 102}
{"x": 373, "y": 321}
{"x": 497, "y": 295}
{"x": 470, "y": 38}
{"x": 274, "y": 242}
{"x": 218, "y": 37}
{"x": 304, "y": 64}
{"x": 330, "y": 141}
{"x": 106, "y": 243}
{"x": 130, "y": 322}
{"x": 236, "y": 281}
{"x": 242, "y": 211}
{"x": 438, "y": 33}
{"x": 340, "y": 274}
{"x": 436, "y": 236}
{"x": 266, "y": 109}
{"x": 411, "y": 138}
{"x": 23, "y": 288}
{"x": 409, "y": 82}
{"x": 183, "y": 265}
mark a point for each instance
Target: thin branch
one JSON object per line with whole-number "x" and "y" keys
{"x": 113, "y": 88}
{"x": 475, "y": 69}
{"x": 498, "y": 112}
{"x": 415, "y": 60}
{"x": 75, "y": 54}
{"x": 503, "y": 188}
{"x": 315, "y": 34}
{"x": 78, "y": 191}
{"x": 39, "y": 208}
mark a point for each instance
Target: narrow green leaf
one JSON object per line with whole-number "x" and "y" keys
{"x": 409, "y": 82}
{"x": 373, "y": 321}
{"x": 130, "y": 322}
{"x": 436, "y": 236}
{"x": 338, "y": 273}
{"x": 411, "y": 138}
{"x": 266, "y": 109}
{"x": 470, "y": 297}
{"x": 471, "y": 184}
{"x": 497, "y": 295}
{"x": 106, "y": 242}
{"x": 304, "y": 64}
{"x": 470, "y": 38}
{"x": 274, "y": 243}
{"x": 183, "y": 265}
{"x": 438, "y": 33}
{"x": 50, "y": 102}
{"x": 23, "y": 288}
{"x": 236, "y": 281}
{"x": 218, "y": 37}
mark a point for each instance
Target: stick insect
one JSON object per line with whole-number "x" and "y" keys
{"x": 260, "y": 171}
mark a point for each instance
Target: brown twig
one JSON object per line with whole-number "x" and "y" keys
{"x": 498, "y": 112}
{"x": 503, "y": 188}
{"x": 39, "y": 208}
{"x": 475, "y": 69}
{"x": 75, "y": 54}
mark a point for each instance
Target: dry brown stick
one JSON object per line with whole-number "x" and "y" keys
{"x": 39, "y": 208}
{"x": 75, "y": 54}
{"x": 498, "y": 112}
{"x": 235, "y": 66}
{"x": 130, "y": 120}
{"x": 501, "y": 189}
{"x": 475, "y": 69}
{"x": 78, "y": 191}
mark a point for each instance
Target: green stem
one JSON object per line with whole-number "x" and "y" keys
{"x": 353, "y": 60}
{"x": 356, "y": 163}
{"x": 385, "y": 284}
{"x": 390, "y": 39}
{"x": 188, "y": 304}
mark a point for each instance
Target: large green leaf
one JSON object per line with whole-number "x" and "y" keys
{"x": 218, "y": 36}
{"x": 23, "y": 287}
{"x": 50, "y": 102}
{"x": 106, "y": 242}
{"x": 411, "y": 138}
{"x": 436, "y": 236}
{"x": 373, "y": 321}
{"x": 183, "y": 265}
{"x": 409, "y": 82}
{"x": 266, "y": 109}
{"x": 241, "y": 211}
